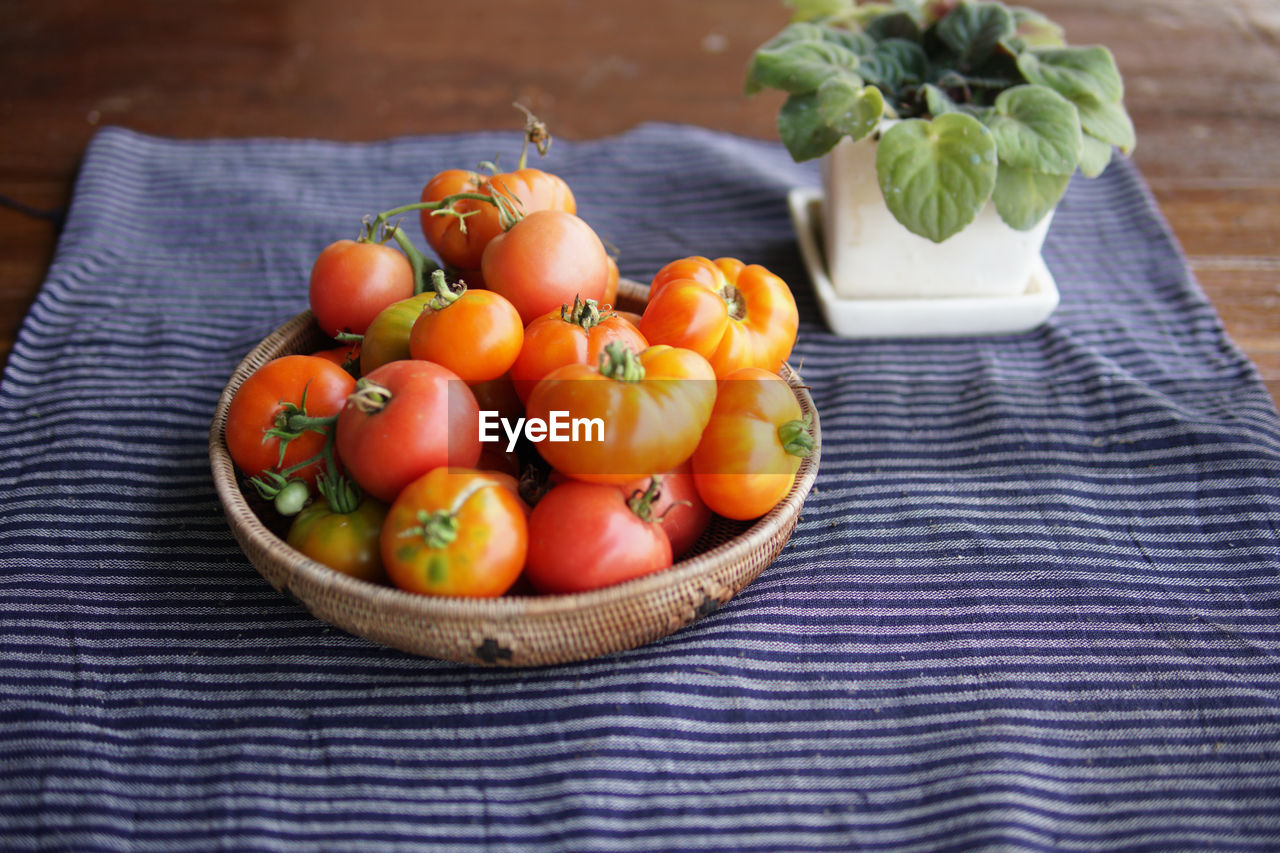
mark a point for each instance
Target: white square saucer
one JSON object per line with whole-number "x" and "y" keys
{"x": 915, "y": 318}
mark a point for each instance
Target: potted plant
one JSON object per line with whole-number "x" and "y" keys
{"x": 949, "y": 133}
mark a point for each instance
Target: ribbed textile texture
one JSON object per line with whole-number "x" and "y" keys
{"x": 1032, "y": 602}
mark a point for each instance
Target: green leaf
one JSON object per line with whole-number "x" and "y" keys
{"x": 1036, "y": 30}
{"x": 849, "y": 108}
{"x": 937, "y": 101}
{"x": 790, "y": 34}
{"x": 1096, "y": 157}
{"x": 1037, "y": 129}
{"x": 1108, "y": 122}
{"x": 894, "y": 25}
{"x": 895, "y": 64}
{"x": 1022, "y": 196}
{"x": 802, "y": 129}
{"x": 854, "y": 42}
{"x": 800, "y": 66}
{"x": 1074, "y": 72}
{"x": 936, "y": 175}
{"x": 974, "y": 30}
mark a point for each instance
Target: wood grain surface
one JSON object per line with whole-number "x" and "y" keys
{"x": 1202, "y": 85}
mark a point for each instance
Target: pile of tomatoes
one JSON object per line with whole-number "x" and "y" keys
{"x": 377, "y": 449}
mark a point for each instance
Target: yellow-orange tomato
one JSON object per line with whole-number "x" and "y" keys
{"x": 732, "y": 314}
{"x": 569, "y": 335}
{"x": 456, "y": 531}
{"x": 650, "y": 410}
{"x": 751, "y": 449}
{"x": 387, "y": 338}
{"x": 346, "y": 542}
{"x": 475, "y": 333}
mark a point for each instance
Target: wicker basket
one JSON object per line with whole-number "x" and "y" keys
{"x": 512, "y": 630}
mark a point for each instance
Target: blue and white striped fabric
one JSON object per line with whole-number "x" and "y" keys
{"x": 1032, "y": 602}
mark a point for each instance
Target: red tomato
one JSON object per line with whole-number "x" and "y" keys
{"x": 546, "y": 260}
{"x": 461, "y": 246}
{"x": 456, "y": 532}
{"x": 405, "y": 419}
{"x": 475, "y": 333}
{"x": 351, "y": 282}
{"x": 272, "y": 397}
{"x": 677, "y": 507}
{"x": 751, "y": 449}
{"x": 576, "y": 335}
{"x": 651, "y": 410}
{"x": 584, "y": 536}
{"x": 732, "y": 314}
{"x": 346, "y": 356}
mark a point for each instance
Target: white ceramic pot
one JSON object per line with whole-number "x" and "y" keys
{"x": 870, "y": 255}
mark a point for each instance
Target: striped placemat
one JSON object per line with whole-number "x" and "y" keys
{"x": 1032, "y": 602}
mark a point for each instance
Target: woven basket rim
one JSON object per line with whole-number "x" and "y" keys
{"x": 246, "y": 523}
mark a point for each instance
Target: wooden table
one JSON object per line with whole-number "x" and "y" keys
{"x": 1203, "y": 86}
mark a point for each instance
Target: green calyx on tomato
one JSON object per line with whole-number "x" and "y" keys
{"x": 287, "y": 495}
{"x": 369, "y": 397}
{"x": 445, "y": 293}
{"x": 292, "y": 421}
{"x": 795, "y": 438}
{"x": 343, "y": 531}
{"x": 584, "y": 313}
{"x": 342, "y": 494}
{"x": 642, "y": 503}
{"x": 438, "y": 529}
{"x": 620, "y": 362}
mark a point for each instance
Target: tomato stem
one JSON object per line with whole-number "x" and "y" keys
{"x": 447, "y": 201}
{"x": 535, "y": 131}
{"x": 369, "y": 397}
{"x": 438, "y": 528}
{"x": 796, "y": 439}
{"x": 734, "y": 301}
{"x": 510, "y": 208}
{"x": 446, "y": 294}
{"x": 584, "y": 313}
{"x": 343, "y": 495}
{"x": 419, "y": 262}
{"x": 641, "y": 503}
{"x": 620, "y": 362}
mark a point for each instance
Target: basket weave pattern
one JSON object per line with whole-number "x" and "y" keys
{"x": 511, "y": 630}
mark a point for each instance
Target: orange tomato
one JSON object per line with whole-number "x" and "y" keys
{"x": 651, "y": 409}
{"x": 610, "y": 296}
{"x": 455, "y": 531}
{"x": 576, "y": 335}
{"x": 750, "y": 451}
{"x": 462, "y": 245}
{"x": 544, "y": 261}
{"x": 475, "y": 333}
{"x": 732, "y": 314}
